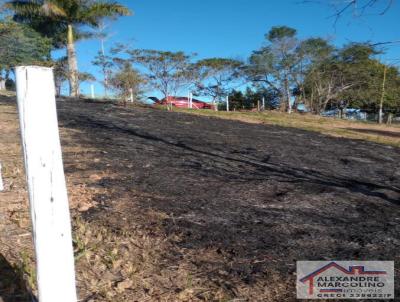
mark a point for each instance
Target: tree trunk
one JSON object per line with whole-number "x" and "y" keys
{"x": 380, "y": 116}
{"x": 288, "y": 105}
{"x": 104, "y": 70}
{"x": 72, "y": 64}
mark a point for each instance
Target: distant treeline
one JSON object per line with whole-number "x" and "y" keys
{"x": 285, "y": 71}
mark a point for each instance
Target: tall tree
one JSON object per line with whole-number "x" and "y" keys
{"x": 167, "y": 72}
{"x": 216, "y": 77}
{"x": 351, "y": 76}
{"x": 19, "y": 44}
{"x": 127, "y": 82}
{"x": 310, "y": 53}
{"x": 66, "y": 16}
{"x": 106, "y": 64}
{"x": 273, "y": 65}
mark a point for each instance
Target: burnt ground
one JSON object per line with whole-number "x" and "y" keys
{"x": 224, "y": 208}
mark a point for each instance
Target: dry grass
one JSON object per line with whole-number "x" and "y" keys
{"x": 381, "y": 134}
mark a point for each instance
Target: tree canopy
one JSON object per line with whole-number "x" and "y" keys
{"x": 21, "y": 45}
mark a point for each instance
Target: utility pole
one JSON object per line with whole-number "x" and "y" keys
{"x": 380, "y": 118}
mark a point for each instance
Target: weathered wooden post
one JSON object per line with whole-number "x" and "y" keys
{"x": 49, "y": 208}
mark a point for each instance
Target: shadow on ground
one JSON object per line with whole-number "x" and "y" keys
{"x": 12, "y": 286}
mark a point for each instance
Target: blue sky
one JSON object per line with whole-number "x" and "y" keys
{"x": 234, "y": 28}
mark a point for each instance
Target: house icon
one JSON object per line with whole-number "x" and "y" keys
{"x": 352, "y": 271}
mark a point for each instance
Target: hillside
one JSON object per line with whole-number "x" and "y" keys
{"x": 169, "y": 206}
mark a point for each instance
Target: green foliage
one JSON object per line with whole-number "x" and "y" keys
{"x": 52, "y": 17}
{"x": 273, "y": 66}
{"x": 216, "y": 76}
{"x": 315, "y": 49}
{"x": 78, "y": 12}
{"x": 126, "y": 81}
{"x": 60, "y": 68}
{"x": 357, "y": 53}
{"x": 278, "y": 33}
{"x": 61, "y": 72}
{"x": 352, "y": 77}
{"x": 319, "y": 75}
{"x": 105, "y": 63}
{"x": 61, "y": 20}
{"x": 251, "y": 98}
{"x": 21, "y": 45}
{"x": 166, "y": 71}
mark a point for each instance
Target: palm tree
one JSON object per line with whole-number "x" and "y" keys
{"x": 66, "y": 16}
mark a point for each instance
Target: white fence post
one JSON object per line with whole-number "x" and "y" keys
{"x": 131, "y": 95}
{"x": 1, "y": 181}
{"x": 227, "y": 103}
{"x": 92, "y": 90}
{"x": 46, "y": 184}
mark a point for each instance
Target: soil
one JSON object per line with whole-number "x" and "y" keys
{"x": 222, "y": 210}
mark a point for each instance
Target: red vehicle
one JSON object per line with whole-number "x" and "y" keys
{"x": 182, "y": 102}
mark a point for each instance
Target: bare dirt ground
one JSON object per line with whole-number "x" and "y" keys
{"x": 169, "y": 206}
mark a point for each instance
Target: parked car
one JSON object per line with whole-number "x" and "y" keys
{"x": 182, "y": 102}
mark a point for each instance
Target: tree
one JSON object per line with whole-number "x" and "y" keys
{"x": 251, "y": 98}
{"x": 310, "y": 53}
{"x": 60, "y": 67}
{"x": 21, "y": 45}
{"x": 105, "y": 63}
{"x": 351, "y": 76}
{"x": 63, "y": 17}
{"x": 273, "y": 66}
{"x": 127, "y": 82}
{"x": 166, "y": 71}
{"x": 216, "y": 76}
{"x": 60, "y": 73}
{"x": 102, "y": 60}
